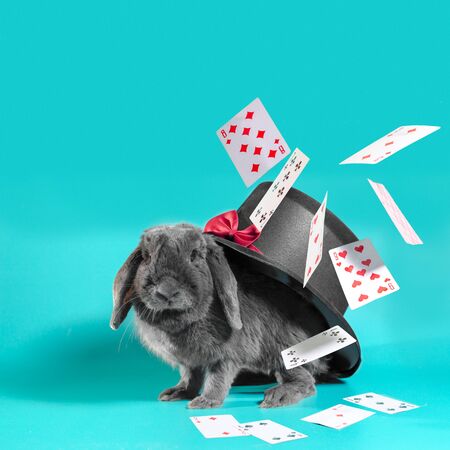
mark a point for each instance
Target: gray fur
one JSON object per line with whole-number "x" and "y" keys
{"x": 211, "y": 319}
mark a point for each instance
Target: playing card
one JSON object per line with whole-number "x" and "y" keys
{"x": 322, "y": 344}
{"x": 219, "y": 426}
{"x": 315, "y": 241}
{"x": 271, "y": 432}
{"x": 400, "y": 221}
{"x": 339, "y": 416}
{"x": 381, "y": 403}
{"x": 279, "y": 188}
{"x": 390, "y": 144}
{"x": 362, "y": 273}
{"x": 253, "y": 142}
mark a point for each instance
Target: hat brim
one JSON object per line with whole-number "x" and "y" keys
{"x": 345, "y": 361}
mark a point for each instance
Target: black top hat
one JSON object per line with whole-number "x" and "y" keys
{"x": 284, "y": 244}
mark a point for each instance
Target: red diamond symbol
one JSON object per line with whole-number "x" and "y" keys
{"x": 246, "y": 131}
{"x": 228, "y": 141}
{"x": 255, "y": 167}
{"x": 272, "y": 153}
{"x": 244, "y": 147}
{"x": 411, "y": 130}
{"x": 389, "y": 143}
{"x": 232, "y": 129}
{"x": 257, "y": 151}
{"x": 277, "y": 141}
{"x": 249, "y": 115}
{"x": 212, "y": 418}
{"x": 260, "y": 133}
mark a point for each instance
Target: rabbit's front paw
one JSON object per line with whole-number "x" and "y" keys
{"x": 285, "y": 394}
{"x": 176, "y": 393}
{"x": 201, "y": 402}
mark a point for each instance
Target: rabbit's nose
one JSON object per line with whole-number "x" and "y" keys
{"x": 166, "y": 292}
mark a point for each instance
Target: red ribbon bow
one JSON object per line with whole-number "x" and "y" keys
{"x": 225, "y": 225}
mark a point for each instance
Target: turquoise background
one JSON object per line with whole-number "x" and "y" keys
{"x": 108, "y": 113}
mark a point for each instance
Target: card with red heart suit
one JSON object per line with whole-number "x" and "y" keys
{"x": 362, "y": 273}
{"x": 253, "y": 142}
{"x": 390, "y": 144}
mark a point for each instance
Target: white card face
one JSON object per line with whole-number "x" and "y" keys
{"x": 362, "y": 273}
{"x": 322, "y": 344}
{"x": 279, "y": 188}
{"x": 315, "y": 241}
{"x": 253, "y": 142}
{"x": 400, "y": 221}
{"x": 339, "y": 416}
{"x": 218, "y": 426}
{"x": 390, "y": 144}
{"x": 381, "y": 403}
{"x": 271, "y": 432}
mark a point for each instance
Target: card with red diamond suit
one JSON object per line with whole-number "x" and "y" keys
{"x": 315, "y": 241}
{"x": 362, "y": 273}
{"x": 390, "y": 144}
{"x": 400, "y": 221}
{"x": 218, "y": 426}
{"x": 279, "y": 188}
{"x": 339, "y": 416}
{"x": 253, "y": 142}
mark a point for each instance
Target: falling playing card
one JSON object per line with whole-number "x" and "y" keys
{"x": 322, "y": 344}
{"x": 253, "y": 142}
{"x": 220, "y": 426}
{"x": 271, "y": 432}
{"x": 390, "y": 144}
{"x": 362, "y": 273}
{"x": 403, "y": 226}
{"x": 315, "y": 242}
{"x": 339, "y": 416}
{"x": 279, "y": 188}
{"x": 381, "y": 403}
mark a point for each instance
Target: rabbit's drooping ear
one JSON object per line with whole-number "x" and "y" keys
{"x": 225, "y": 284}
{"x": 123, "y": 288}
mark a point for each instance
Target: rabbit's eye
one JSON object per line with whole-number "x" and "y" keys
{"x": 194, "y": 255}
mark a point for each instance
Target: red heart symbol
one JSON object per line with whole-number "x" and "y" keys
{"x": 361, "y": 272}
{"x": 381, "y": 289}
{"x": 343, "y": 254}
{"x": 387, "y": 279}
{"x": 366, "y": 262}
{"x": 317, "y": 259}
{"x": 363, "y": 297}
{"x": 348, "y": 269}
{"x": 339, "y": 415}
{"x": 225, "y": 432}
{"x": 309, "y": 270}
{"x": 359, "y": 249}
{"x": 366, "y": 156}
{"x": 356, "y": 283}
{"x": 374, "y": 276}
{"x": 339, "y": 263}
{"x": 315, "y": 219}
{"x": 212, "y": 418}
{"x": 315, "y": 239}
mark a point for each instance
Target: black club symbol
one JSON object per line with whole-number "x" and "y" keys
{"x": 293, "y": 160}
{"x": 286, "y": 177}
{"x": 291, "y": 352}
{"x": 303, "y": 360}
{"x": 263, "y": 218}
{"x": 258, "y": 212}
{"x": 275, "y": 186}
{"x": 271, "y": 212}
{"x": 297, "y": 166}
{"x": 334, "y": 333}
{"x": 341, "y": 340}
{"x": 294, "y": 360}
{"x": 280, "y": 192}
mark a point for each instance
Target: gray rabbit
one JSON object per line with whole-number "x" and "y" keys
{"x": 210, "y": 318}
